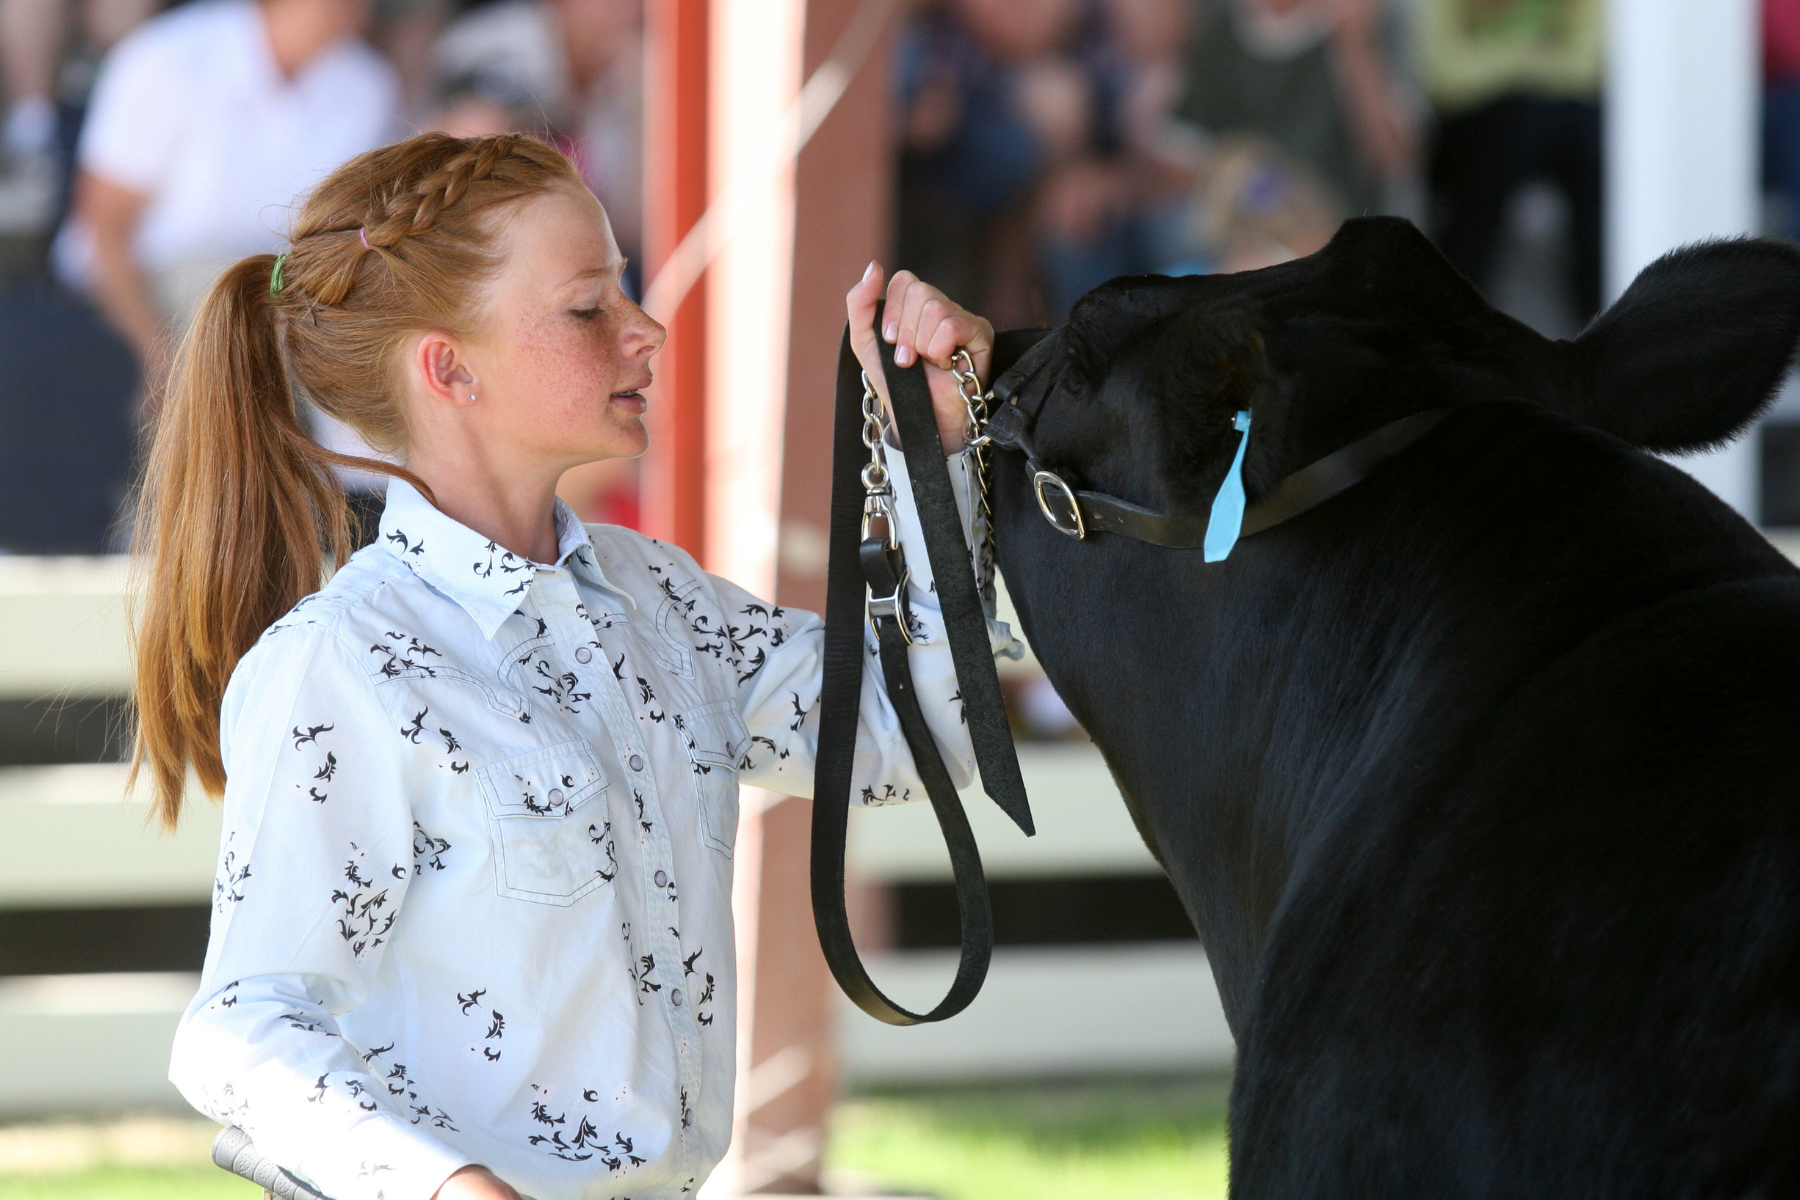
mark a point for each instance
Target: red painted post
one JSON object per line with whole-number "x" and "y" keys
{"x": 676, "y": 194}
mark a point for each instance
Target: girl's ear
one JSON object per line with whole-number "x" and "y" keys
{"x": 442, "y": 371}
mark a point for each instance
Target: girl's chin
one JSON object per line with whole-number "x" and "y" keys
{"x": 629, "y": 439}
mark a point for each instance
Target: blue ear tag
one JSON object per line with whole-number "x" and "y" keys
{"x": 1228, "y": 506}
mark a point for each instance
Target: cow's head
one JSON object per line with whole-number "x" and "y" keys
{"x": 1376, "y": 326}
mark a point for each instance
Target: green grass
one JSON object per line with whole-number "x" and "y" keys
{"x": 129, "y": 1183}
{"x": 1127, "y": 1139}
{"x": 147, "y": 1157}
{"x": 1119, "y": 1140}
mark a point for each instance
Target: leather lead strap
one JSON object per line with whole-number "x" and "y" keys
{"x": 842, "y": 690}
{"x": 965, "y": 624}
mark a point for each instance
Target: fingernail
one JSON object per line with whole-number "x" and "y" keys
{"x": 903, "y": 357}
{"x": 891, "y": 330}
{"x": 869, "y": 271}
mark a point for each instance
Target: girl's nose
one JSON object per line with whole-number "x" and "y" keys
{"x": 645, "y": 332}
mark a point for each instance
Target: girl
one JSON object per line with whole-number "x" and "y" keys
{"x": 471, "y": 924}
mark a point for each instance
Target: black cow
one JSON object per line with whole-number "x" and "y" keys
{"x": 1481, "y": 780}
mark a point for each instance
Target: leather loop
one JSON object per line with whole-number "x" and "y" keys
{"x": 856, "y": 570}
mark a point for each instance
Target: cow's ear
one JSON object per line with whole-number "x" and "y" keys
{"x": 1213, "y": 364}
{"x": 1696, "y": 347}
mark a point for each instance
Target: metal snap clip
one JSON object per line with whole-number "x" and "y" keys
{"x": 1072, "y": 524}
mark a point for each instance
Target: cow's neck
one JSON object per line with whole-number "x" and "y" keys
{"x": 1263, "y": 714}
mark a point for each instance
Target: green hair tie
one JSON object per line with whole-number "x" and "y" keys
{"x": 275, "y": 275}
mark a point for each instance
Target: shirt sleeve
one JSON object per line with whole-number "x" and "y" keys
{"x": 780, "y": 701}
{"x": 313, "y": 869}
{"x": 134, "y": 120}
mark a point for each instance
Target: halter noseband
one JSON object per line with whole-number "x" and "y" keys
{"x": 1020, "y": 395}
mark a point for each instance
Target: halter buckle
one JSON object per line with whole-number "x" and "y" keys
{"x": 1072, "y": 524}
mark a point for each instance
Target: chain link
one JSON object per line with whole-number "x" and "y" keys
{"x": 878, "y": 489}
{"x": 976, "y": 402}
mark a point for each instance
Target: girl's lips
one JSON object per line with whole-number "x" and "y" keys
{"x": 630, "y": 401}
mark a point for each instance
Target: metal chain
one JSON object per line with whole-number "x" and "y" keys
{"x": 975, "y": 401}
{"x": 975, "y": 414}
{"x": 878, "y": 489}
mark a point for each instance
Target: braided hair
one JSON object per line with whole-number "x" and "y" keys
{"x": 240, "y": 512}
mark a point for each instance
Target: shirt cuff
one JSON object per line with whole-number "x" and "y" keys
{"x": 389, "y": 1158}
{"x": 906, "y": 516}
{"x": 922, "y": 590}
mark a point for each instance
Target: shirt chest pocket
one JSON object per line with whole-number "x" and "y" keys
{"x": 716, "y": 740}
{"x": 547, "y": 813}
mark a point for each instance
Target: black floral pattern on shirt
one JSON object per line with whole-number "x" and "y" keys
{"x": 704, "y": 998}
{"x": 364, "y": 917}
{"x": 428, "y": 851}
{"x": 888, "y": 795}
{"x": 584, "y": 1141}
{"x": 561, "y": 688}
{"x": 508, "y": 563}
{"x": 487, "y": 1044}
{"x": 228, "y": 884}
{"x": 327, "y": 769}
{"x": 741, "y": 640}
{"x": 640, "y": 967}
{"x": 403, "y": 654}
{"x": 602, "y": 835}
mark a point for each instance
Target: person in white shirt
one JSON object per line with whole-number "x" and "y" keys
{"x": 472, "y": 915}
{"x": 205, "y": 122}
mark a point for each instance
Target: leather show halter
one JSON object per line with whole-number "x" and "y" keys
{"x": 1022, "y": 392}
{"x": 868, "y": 578}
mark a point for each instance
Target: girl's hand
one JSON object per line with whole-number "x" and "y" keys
{"x": 922, "y": 323}
{"x": 475, "y": 1182}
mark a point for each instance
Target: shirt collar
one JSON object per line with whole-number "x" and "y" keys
{"x": 487, "y": 580}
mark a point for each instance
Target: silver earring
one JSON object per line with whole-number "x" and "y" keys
{"x": 471, "y": 395}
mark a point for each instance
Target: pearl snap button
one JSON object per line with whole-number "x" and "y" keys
{"x": 637, "y": 762}
{"x": 583, "y": 655}
{"x": 556, "y": 795}
{"x": 675, "y": 997}
{"x": 662, "y": 879}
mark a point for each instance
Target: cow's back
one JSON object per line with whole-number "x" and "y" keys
{"x": 1571, "y": 967}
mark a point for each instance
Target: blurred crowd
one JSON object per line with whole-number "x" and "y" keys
{"x": 148, "y": 145}
{"x": 1042, "y": 147}
{"x": 1050, "y": 145}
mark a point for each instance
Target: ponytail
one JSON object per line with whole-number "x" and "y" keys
{"x": 238, "y": 516}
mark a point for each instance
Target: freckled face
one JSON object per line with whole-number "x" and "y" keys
{"x": 561, "y": 354}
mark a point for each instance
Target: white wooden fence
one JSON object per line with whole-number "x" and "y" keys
{"x": 70, "y": 837}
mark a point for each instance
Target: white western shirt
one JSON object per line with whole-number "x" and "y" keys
{"x": 473, "y": 900}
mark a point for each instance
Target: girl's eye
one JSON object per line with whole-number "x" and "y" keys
{"x": 585, "y": 314}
